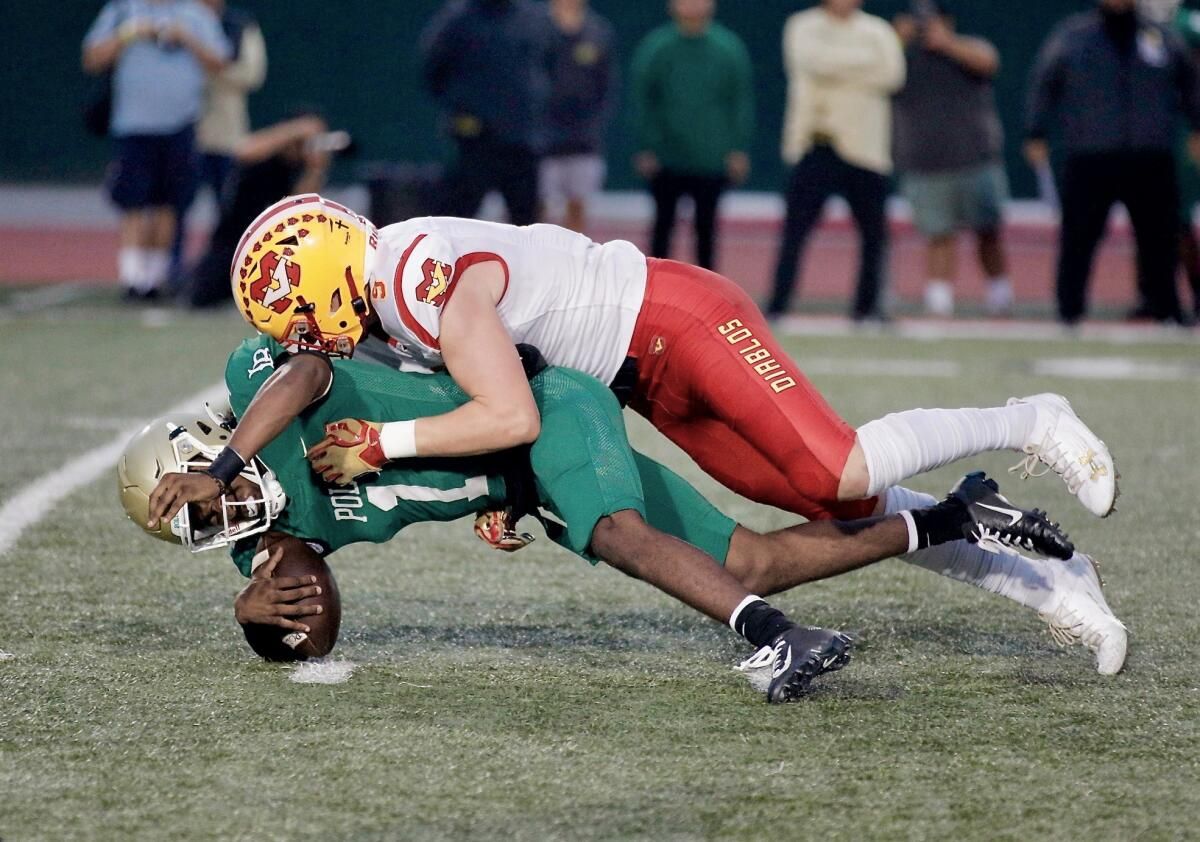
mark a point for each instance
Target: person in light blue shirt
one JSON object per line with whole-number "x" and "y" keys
{"x": 159, "y": 53}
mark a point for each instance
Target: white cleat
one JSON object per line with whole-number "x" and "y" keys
{"x": 1064, "y": 444}
{"x": 1082, "y": 615}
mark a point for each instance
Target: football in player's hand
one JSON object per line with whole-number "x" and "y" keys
{"x": 282, "y": 644}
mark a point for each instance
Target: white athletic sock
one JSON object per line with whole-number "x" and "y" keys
{"x": 903, "y": 444}
{"x": 158, "y": 264}
{"x": 131, "y": 266}
{"x": 1025, "y": 581}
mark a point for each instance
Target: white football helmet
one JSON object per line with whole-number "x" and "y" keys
{"x": 183, "y": 445}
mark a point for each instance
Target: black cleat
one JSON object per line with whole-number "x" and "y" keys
{"x": 799, "y": 655}
{"x": 996, "y": 525}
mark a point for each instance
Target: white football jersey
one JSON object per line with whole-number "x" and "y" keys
{"x": 575, "y": 300}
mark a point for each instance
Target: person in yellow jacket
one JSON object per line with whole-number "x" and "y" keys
{"x": 843, "y": 65}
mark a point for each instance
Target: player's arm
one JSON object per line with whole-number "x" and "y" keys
{"x": 297, "y": 383}
{"x": 480, "y": 356}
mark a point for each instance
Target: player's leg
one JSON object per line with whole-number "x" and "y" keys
{"x": 586, "y": 475}
{"x": 1067, "y": 595}
{"x": 706, "y": 358}
{"x": 705, "y": 352}
{"x": 888, "y": 450}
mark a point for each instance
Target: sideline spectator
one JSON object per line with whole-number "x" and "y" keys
{"x": 693, "y": 99}
{"x": 226, "y": 119}
{"x": 583, "y": 92}
{"x": 1187, "y": 24}
{"x": 949, "y": 150}
{"x": 160, "y": 52}
{"x": 1115, "y": 86}
{"x": 843, "y": 65}
{"x": 284, "y": 159}
{"x": 486, "y": 62}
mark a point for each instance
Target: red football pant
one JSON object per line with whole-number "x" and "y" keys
{"x": 714, "y": 380}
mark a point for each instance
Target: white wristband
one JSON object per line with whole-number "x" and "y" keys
{"x": 399, "y": 439}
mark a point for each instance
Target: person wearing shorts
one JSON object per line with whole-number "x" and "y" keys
{"x": 949, "y": 152}
{"x": 159, "y": 53}
{"x": 583, "y": 92}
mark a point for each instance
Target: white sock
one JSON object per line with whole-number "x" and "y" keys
{"x": 158, "y": 264}
{"x": 903, "y": 444}
{"x": 131, "y": 266}
{"x": 1025, "y": 581}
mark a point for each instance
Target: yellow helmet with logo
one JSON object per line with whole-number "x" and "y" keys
{"x": 301, "y": 273}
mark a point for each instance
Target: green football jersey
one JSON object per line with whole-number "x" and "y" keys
{"x": 583, "y": 466}
{"x": 374, "y": 510}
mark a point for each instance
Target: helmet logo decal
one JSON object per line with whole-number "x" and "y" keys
{"x": 436, "y": 284}
{"x": 278, "y": 276}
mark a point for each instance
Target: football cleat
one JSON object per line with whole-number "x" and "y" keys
{"x": 1062, "y": 443}
{"x": 785, "y": 668}
{"x": 998, "y": 526}
{"x": 1082, "y": 615}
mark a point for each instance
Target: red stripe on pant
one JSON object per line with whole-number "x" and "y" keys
{"x": 715, "y": 381}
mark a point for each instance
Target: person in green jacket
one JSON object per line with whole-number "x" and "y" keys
{"x": 693, "y": 103}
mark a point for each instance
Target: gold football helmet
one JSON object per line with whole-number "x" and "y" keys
{"x": 179, "y": 445}
{"x": 301, "y": 274}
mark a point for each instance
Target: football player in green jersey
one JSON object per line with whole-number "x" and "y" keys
{"x": 614, "y": 505}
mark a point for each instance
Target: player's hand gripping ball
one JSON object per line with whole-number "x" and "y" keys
{"x": 350, "y": 449}
{"x": 291, "y": 609}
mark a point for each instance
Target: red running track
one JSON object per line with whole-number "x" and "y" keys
{"x": 746, "y": 254}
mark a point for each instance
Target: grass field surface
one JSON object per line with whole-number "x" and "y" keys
{"x": 531, "y": 697}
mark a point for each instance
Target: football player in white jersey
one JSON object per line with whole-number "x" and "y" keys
{"x": 686, "y": 348}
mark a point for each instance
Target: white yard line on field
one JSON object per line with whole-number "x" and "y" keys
{"x": 40, "y": 497}
{"x": 932, "y": 330}
{"x": 1117, "y": 368}
{"x": 874, "y": 367}
{"x": 42, "y": 298}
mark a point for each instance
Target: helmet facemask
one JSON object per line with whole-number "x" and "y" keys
{"x": 249, "y": 511}
{"x": 174, "y": 444}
